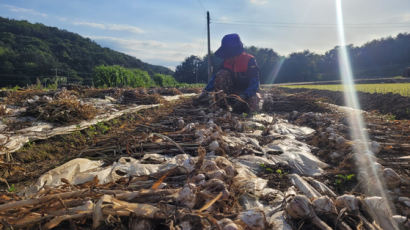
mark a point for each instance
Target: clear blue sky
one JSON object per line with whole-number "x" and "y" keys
{"x": 164, "y": 32}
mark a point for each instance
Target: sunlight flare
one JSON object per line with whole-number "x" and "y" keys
{"x": 364, "y": 157}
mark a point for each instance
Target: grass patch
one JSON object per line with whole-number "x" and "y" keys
{"x": 396, "y": 88}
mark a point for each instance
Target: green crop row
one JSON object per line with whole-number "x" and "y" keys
{"x": 396, "y": 88}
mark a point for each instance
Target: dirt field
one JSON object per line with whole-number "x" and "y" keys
{"x": 402, "y": 89}
{"x": 392, "y": 104}
{"x": 236, "y": 140}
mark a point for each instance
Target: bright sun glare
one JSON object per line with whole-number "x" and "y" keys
{"x": 363, "y": 155}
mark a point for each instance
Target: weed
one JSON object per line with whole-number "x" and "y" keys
{"x": 263, "y": 166}
{"x": 12, "y": 188}
{"x": 103, "y": 128}
{"x": 29, "y": 144}
{"x": 91, "y": 131}
{"x": 15, "y": 88}
{"x": 343, "y": 179}
{"x": 99, "y": 128}
{"x": 391, "y": 117}
{"x": 278, "y": 171}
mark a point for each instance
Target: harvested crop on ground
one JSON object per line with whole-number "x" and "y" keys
{"x": 168, "y": 91}
{"x": 194, "y": 164}
{"x": 190, "y": 90}
{"x": 64, "y": 108}
{"x": 20, "y": 97}
{"x": 135, "y": 97}
{"x": 385, "y": 88}
{"x": 3, "y": 110}
{"x": 62, "y": 111}
{"x": 101, "y": 93}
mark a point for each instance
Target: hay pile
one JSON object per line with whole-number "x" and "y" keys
{"x": 64, "y": 108}
{"x": 190, "y": 90}
{"x": 21, "y": 97}
{"x": 169, "y": 91}
{"x": 101, "y": 93}
{"x": 135, "y": 97}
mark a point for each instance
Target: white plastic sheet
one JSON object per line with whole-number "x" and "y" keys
{"x": 17, "y": 139}
{"x": 278, "y": 221}
{"x": 298, "y": 156}
{"x": 303, "y": 186}
{"x": 285, "y": 128}
{"x": 81, "y": 170}
{"x": 380, "y": 211}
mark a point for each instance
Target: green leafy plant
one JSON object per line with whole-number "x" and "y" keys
{"x": 91, "y": 131}
{"x": 267, "y": 169}
{"x": 391, "y": 117}
{"x": 164, "y": 80}
{"x": 12, "y": 188}
{"x": 343, "y": 179}
{"x": 117, "y": 76}
{"x": 30, "y": 143}
{"x": 103, "y": 128}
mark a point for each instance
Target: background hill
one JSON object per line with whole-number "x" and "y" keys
{"x": 29, "y": 51}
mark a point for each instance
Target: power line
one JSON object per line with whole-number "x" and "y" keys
{"x": 314, "y": 25}
{"x": 202, "y": 5}
{"x": 304, "y": 23}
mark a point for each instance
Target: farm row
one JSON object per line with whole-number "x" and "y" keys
{"x": 395, "y": 88}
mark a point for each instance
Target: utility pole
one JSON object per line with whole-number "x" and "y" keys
{"x": 209, "y": 47}
{"x": 196, "y": 71}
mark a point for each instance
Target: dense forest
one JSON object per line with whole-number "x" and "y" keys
{"x": 30, "y": 51}
{"x": 385, "y": 57}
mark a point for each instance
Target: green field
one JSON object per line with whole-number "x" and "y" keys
{"x": 398, "y": 88}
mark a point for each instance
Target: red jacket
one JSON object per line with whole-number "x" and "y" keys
{"x": 238, "y": 64}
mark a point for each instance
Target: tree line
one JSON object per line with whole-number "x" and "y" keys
{"x": 35, "y": 51}
{"x": 384, "y": 57}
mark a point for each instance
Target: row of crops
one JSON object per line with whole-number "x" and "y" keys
{"x": 396, "y": 88}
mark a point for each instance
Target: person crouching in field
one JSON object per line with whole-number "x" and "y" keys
{"x": 238, "y": 74}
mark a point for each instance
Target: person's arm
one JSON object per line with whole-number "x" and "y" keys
{"x": 253, "y": 73}
{"x": 210, "y": 86}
